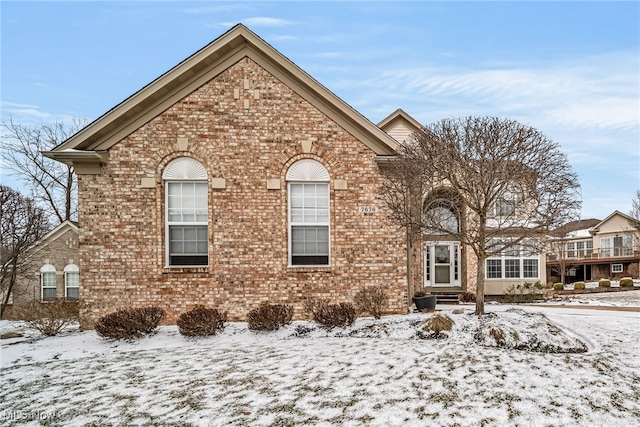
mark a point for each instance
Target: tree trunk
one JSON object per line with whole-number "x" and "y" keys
{"x": 480, "y": 287}
{"x": 9, "y": 287}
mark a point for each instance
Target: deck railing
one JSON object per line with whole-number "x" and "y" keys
{"x": 584, "y": 254}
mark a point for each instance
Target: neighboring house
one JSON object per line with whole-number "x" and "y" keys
{"x": 592, "y": 250}
{"x": 52, "y": 265}
{"x": 236, "y": 178}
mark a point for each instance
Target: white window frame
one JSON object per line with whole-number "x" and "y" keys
{"x": 571, "y": 249}
{"x": 308, "y": 174}
{"x": 187, "y": 212}
{"x": 71, "y": 271}
{"x": 605, "y": 247}
{"x": 48, "y": 281}
{"x": 511, "y": 260}
{"x": 617, "y": 268}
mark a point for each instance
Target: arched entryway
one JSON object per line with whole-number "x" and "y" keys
{"x": 442, "y": 252}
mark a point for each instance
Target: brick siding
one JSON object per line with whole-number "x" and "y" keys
{"x": 246, "y": 140}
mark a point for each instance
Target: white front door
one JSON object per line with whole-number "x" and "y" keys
{"x": 442, "y": 264}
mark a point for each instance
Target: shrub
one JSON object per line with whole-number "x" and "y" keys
{"x": 269, "y": 317}
{"x": 604, "y": 283}
{"x": 626, "y": 281}
{"x": 558, "y": 286}
{"x": 467, "y": 297}
{"x": 48, "y": 317}
{"x": 525, "y": 292}
{"x": 372, "y": 301}
{"x": 201, "y": 321}
{"x": 579, "y": 285}
{"x": 130, "y": 323}
{"x": 437, "y": 323}
{"x": 330, "y": 316}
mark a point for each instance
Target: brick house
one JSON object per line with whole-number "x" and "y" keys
{"x": 236, "y": 178}
{"x": 232, "y": 179}
{"x": 51, "y": 268}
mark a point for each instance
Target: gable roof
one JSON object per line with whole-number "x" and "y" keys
{"x": 632, "y": 221}
{"x": 575, "y": 229}
{"x": 399, "y": 116}
{"x": 53, "y": 235}
{"x": 91, "y": 143}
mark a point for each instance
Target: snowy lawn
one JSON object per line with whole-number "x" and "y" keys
{"x": 377, "y": 373}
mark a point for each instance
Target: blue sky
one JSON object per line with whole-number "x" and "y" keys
{"x": 570, "y": 69}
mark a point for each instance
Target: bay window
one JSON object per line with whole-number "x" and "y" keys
{"x": 516, "y": 262}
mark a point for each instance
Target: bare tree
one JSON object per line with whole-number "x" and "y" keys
{"x": 558, "y": 249}
{"x": 493, "y": 184}
{"x": 52, "y": 184}
{"x": 22, "y": 224}
{"x": 634, "y": 268}
{"x": 635, "y": 207}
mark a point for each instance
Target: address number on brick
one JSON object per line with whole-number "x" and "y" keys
{"x": 367, "y": 209}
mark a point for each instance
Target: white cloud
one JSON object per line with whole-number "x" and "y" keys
{"x": 261, "y": 21}
{"x": 593, "y": 93}
{"x": 24, "y": 111}
{"x": 32, "y": 115}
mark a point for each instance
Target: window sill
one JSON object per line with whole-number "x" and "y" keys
{"x": 185, "y": 269}
{"x": 308, "y": 268}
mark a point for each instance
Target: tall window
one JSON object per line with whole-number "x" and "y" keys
{"x": 571, "y": 253}
{"x": 308, "y": 185}
{"x": 516, "y": 262}
{"x": 71, "y": 281}
{"x": 186, "y": 213}
{"x": 605, "y": 247}
{"x": 48, "y": 282}
{"x": 505, "y": 205}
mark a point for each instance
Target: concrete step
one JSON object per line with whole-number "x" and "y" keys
{"x": 447, "y": 298}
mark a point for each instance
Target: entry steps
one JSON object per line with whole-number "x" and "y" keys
{"x": 446, "y": 298}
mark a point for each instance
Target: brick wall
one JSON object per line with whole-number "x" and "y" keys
{"x": 245, "y": 126}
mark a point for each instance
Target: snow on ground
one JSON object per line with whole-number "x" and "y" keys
{"x": 376, "y": 373}
{"x": 613, "y": 299}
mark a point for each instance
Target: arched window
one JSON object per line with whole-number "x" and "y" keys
{"x": 308, "y": 186}
{"x": 440, "y": 217}
{"x": 48, "y": 282}
{"x": 186, "y": 213}
{"x": 71, "y": 281}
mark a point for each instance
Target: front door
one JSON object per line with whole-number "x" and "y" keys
{"x": 442, "y": 264}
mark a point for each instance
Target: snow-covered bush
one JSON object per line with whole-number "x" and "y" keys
{"x": 130, "y": 323}
{"x": 372, "y": 301}
{"x": 269, "y": 317}
{"x": 48, "y": 317}
{"x": 627, "y": 281}
{"x": 604, "y": 283}
{"x": 201, "y": 321}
